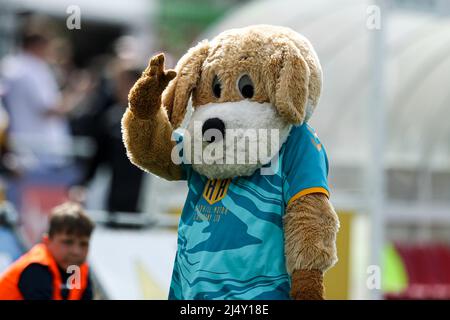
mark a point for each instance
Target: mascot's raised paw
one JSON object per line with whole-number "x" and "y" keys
{"x": 145, "y": 96}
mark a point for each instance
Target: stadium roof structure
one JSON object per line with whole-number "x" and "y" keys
{"x": 114, "y": 11}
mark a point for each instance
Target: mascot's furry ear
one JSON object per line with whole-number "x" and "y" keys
{"x": 176, "y": 96}
{"x": 298, "y": 84}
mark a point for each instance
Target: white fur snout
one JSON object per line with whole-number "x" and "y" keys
{"x": 225, "y": 140}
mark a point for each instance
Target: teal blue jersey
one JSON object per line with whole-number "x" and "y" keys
{"x": 230, "y": 234}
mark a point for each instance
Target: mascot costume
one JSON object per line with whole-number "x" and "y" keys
{"x": 257, "y": 222}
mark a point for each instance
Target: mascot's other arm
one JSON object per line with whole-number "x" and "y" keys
{"x": 146, "y": 128}
{"x": 310, "y": 225}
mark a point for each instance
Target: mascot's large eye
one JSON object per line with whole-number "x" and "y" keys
{"x": 216, "y": 87}
{"x": 245, "y": 86}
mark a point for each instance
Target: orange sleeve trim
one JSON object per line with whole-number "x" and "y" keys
{"x": 309, "y": 191}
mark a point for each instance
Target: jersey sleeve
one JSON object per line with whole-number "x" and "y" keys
{"x": 305, "y": 164}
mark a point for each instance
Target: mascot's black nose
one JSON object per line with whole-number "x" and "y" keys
{"x": 212, "y": 135}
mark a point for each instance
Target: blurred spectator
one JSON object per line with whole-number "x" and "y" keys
{"x": 8, "y": 163}
{"x": 36, "y": 106}
{"x": 126, "y": 179}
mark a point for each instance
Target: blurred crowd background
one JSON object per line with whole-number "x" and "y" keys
{"x": 66, "y": 69}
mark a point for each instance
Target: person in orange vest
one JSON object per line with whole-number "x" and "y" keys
{"x": 55, "y": 269}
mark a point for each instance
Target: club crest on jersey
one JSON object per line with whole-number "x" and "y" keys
{"x": 215, "y": 190}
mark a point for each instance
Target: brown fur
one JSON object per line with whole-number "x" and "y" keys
{"x": 146, "y": 129}
{"x": 189, "y": 70}
{"x": 285, "y": 72}
{"x": 281, "y": 64}
{"x": 310, "y": 226}
{"x": 307, "y": 285}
